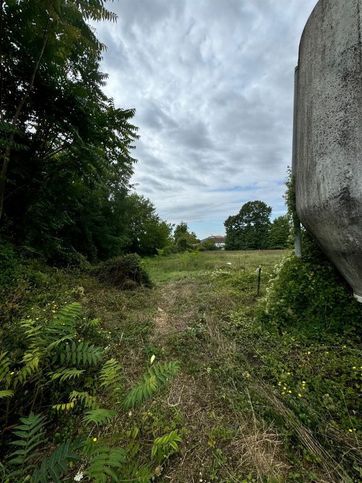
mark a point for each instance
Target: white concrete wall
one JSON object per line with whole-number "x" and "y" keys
{"x": 328, "y": 133}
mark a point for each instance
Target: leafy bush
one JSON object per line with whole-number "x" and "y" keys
{"x": 308, "y": 292}
{"x": 52, "y": 374}
{"x": 124, "y": 272}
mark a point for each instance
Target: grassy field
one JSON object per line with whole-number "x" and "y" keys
{"x": 251, "y": 403}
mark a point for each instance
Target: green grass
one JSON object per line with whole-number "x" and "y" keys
{"x": 252, "y": 401}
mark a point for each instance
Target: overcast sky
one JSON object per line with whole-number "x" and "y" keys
{"x": 212, "y": 84}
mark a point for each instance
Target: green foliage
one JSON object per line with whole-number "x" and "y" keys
{"x": 183, "y": 238}
{"x": 155, "y": 378}
{"x": 105, "y": 463}
{"x": 56, "y": 465}
{"x": 99, "y": 416}
{"x": 309, "y": 293}
{"x": 145, "y": 232}
{"x": 65, "y": 149}
{"x": 30, "y": 435}
{"x": 279, "y": 233}
{"x": 80, "y": 353}
{"x": 164, "y": 446}
{"x": 110, "y": 375}
{"x": 249, "y": 229}
{"x": 53, "y": 370}
{"x": 291, "y": 203}
{"x": 124, "y": 272}
{"x": 10, "y": 267}
{"x": 208, "y": 244}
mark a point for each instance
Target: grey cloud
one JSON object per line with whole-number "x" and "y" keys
{"x": 212, "y": 84}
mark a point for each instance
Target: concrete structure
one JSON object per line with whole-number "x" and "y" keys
{"x": 327, "y": 158}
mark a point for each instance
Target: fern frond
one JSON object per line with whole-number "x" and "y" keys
{"x": 93, "y": 323}
{"x": 68, "y": 314}
{"x": 80, "y": 354}
{"x": 55, "y": 466}
{"x": 6, "y": 393}
{"x": 68, "y": 406}
{"x": 104, "y": 463}
{"x": 166, "y": 445}
{"x": 33, "y": 333}
{"x": 110, "y": 374}
{"x": 31, "y": 361}
{"x": 30, "y": 435}
{"x": 63, "y": 324}
{"x": 99, "y": 416}
{"x": 58, "y": 342}
{"x": 86, "y": 399}
{"x": 156, "y": 377}
{"x": 65, "y": 374}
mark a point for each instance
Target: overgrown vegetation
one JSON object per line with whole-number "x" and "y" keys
{"x": 58, "y": 390}
{"x": 263, "y": 391}
{"x": 123, "y": 272}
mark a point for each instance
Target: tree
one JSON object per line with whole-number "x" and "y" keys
{"x": 145, "y": 232}
{"x": 248, "y": 229}
{"x": 65, "y": 149}
{"x": 184, "y": 239}
{"x": 279, "y": 232}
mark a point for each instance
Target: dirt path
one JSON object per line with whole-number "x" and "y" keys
{"x": 219, "y": 443}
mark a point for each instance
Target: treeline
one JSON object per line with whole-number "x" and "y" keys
{"x": 66, "y": 150}
{"x": 252, "y": 229}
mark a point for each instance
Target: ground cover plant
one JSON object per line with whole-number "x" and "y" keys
{"x": 256, "y": 396}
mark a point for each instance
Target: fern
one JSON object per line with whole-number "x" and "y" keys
{"x": 64, "y": 323}
{"x": 55, "y": 466}
{"x": 104, "y": 463}
{"x": 65, "y": 374}
{"x": 30, "y": 435}
{"x": 166, "y": 445}
{"x": 80, "y": 353}
{"x": 68, "y": 406}
{"x": 32, "y": 331}
{"x": 93, "y": 323}
{"x": 156, "y": 377}
{"x": 99, "y": 416}
{"x": 6, "y": 393}
{"x": 83, "y": 397}
{"x": 110, "y": 375}
{"x": 31, "y": 361}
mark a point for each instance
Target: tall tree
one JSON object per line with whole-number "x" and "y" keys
{"x": 64, "y": 147}
{"x": 145, "y": 232}
{"x": 279, "y": 232}
{"x": 249, "y": 228}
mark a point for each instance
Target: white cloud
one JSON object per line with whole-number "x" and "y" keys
{"x": 212, "y": 84}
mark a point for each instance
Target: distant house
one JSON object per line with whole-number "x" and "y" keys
{"x": 218, "y": 240}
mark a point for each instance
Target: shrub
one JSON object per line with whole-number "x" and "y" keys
{"x": 124, "y": 272}
{"x": 309, "y": 292}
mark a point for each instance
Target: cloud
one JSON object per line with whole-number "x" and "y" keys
{"x": 212, "y": 84}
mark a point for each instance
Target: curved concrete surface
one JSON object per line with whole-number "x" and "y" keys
{"x": 327, "y": 161}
